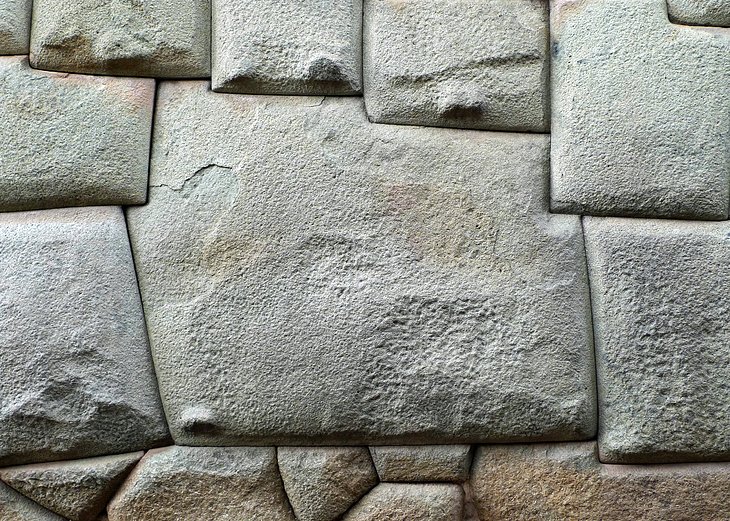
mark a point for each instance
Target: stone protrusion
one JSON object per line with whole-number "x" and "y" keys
{"x": 418, "y": 463}
{"x": 700, "y": 12}
{"x": 14, "y": 26}
{"x": 408, "y": 502}
{"x": 16, "y": 507}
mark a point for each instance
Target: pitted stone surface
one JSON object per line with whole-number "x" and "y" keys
{"x": 407, "y": 502}
{"x": 322, "y": 483}
{"x": 422, "y": 462}
{"x": 660, "y": 306}
{"x": 15, "y": 507}
{"x": 287, "y": 46}
{"x": 700, "y": 12}
{"x": 566, "y": 482}
{"x": 72, "y": 140}
{"x": 203, "y": 484}
{"x": 161, "y": 38}
{"x": 456, "y": 63}
{"x": 631, "y": 136}
{"x": 77, "y": 490}
{"x": 312, "y": 278}
{"x": 77, "y": 378}
{"x": 14, "y": 26}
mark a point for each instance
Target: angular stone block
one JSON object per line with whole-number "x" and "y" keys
{"x": 161, "y": 38}
{"x": 422, "y": 462}
{"x": 14, "y": 26}
{"x": 700, "y": 12}
{"x": 203, "y": 484}
{"x": 641, "y": 112}
{"x": 72, "y": 140}
{"x": 77, "y": 377}
{"x": 456, "y": 63}
{"x": 407, "y": 502}
{"x": 15, "y": 507}
{"x": 309, "y": 277}
{"x": 660, "y": 306}
{"x": 567, "y": 482}
{"x": 287, "y": 46}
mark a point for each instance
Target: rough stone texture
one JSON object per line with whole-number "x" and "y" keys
{"x": 14, "y": 26}
{"x": 322, "y": 483}
{"x": 700, "y": 12}
{"x": 566, "y": 482}
{"x": 77, "y": 379}
{"x": 203, "y": 483}
{"x": 457, "y": 63}
{"x": 287, "y": 46}
{"x": 408, "y": 502}
{"x": 77, "y": 490}
{"x": 631, "y": 135}
{"x": 660, "y": 306}
{"x": 71, "y": 140}
{"x": 161, "y": 38}
{"x": 422, "y": 463}
{"x": 309, "y": 278}
{"x": 15, "y": 507}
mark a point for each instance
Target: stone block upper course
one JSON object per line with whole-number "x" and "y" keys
{"x": 14, "y": 26}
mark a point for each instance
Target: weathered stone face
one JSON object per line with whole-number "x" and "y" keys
{"x": 162, "y": 38}
{"x": 15, "y": 507}
{"x": 422, "y": 463}
{"x": 77, "y": 377}
{"x": 700, "y": 12}
{"x": 14, "y": 26}
{"x": 287, "y": 46}
{"x": 407, "y": 501}
{"x": 308, "y": 277}
{"x": 660, "y": 307}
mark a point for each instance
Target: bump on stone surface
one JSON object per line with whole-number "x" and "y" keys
{"x": 422, "y": 462}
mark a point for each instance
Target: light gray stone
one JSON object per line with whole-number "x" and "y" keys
{"x": 700, "y": 12}
{"x": 631, "y": 135}
{"x": 161, "y": 38}
{"x": 407, "y": 502}
{"x": 422, "y": 462}
{"x": 457, "y": 63}
{"x": 322, "y": 483}
{"x": 203, "y": 484}
{"x": 15, "y": 507}
{"x": 14, "y": 26}
{"x": 77, "y": 490}
{"x": 660, "y": 306}
{"x": 287, "y": 46}
{"x": 72, "y": 140}
{"x": 310, "y": 278}
{"x": 77, "y": 378}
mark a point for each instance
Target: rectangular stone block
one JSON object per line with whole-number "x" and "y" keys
{"x": 72, "y": 140}
{"x": 700, "y": 12}
{"x": 309, "y": 277}
{"x": 641, "y": 112}
{"x": 14, "y": 26}
{"x": 287, "y": 46}
{"x": 660, "y": 308}
{"x": 457, "y": 63}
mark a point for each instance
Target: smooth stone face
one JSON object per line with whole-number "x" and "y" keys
{"x": 567, "y": 482}
{"x": 72, "y": 140}
{"x": 77, "y": 490}
{"x": 700, "y": 12}
{"x": 456, "y": 63}
{"x": 77, "y": 378}
{"x": 660, "y": 151}
{"x": 203, "y": 483}
{"x": 660, "y": 307}
{"x": 161, "y": 38}
{"x": 310, "y": 278}
{"x": 422, "y": 462}
{"x": 287, "y": 46}
{"x": 406, "y": 502}
{"x": 322, "y": 483}
{"x": 15, "y": 507}
{"x": 14, "y": 26}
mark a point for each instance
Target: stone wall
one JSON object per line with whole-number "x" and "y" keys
{"x": 364, "y": 260}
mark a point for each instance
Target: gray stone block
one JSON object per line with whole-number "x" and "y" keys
{"x": 309, "y": 277}
{"x": 456, "y": 63}
{"x": 641, "y": 112}
{"x": 15, "y": 507}
{"x": 77, "y": 377}
{"x": 72, "y": 140}
{"x": 14, "y": 26}
{"x": 420, "y": 463}
{"x": 161, "y": 38}
{"x": 287, "y": 46}
{"x": 407, "y": 502}
{"x": 660, "y": 305}
{"x": 700, "y": 12}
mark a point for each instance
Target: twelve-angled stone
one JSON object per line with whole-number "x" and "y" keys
{"x": 15, "y": 507}
{"x": 700, "y": 12}
{"x": 14, "y": 26}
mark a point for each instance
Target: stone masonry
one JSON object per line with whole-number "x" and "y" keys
{"x": 364, "y": 260}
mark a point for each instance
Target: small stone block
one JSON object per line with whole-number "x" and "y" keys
{"x": 416, "y": 463}
{"x": 408, "y": 502}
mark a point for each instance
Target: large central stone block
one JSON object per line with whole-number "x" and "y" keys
{"x": 310, "y": 277}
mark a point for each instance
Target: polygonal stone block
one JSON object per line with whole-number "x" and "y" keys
{"x": 72, "y": 140}
{"x": 287, "y": 46}
{"x": 641, "y": 112}
{"x": 309, "y": 277}
{"x": 14, "y": 26}
{"x": 660, "y": 306}
{"x": 419, "y": 463}
{"x": 455, "y": 63}
{"x": 161, "y": 38}
{"x": 409, "y": 501}
{"x": 700, "y": 12}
